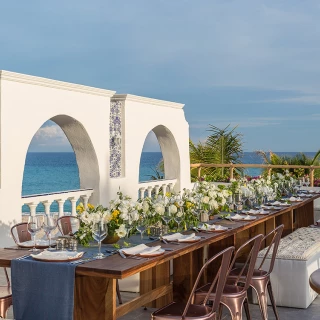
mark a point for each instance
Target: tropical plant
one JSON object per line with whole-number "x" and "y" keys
{"x": 297, "y": 159}
{"x": 158, "y": 171}
{"x": 222, "y": 146}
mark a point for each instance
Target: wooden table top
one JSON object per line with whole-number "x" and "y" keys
{"x": 116, "y": 267}
{"x": 314, "y": 281}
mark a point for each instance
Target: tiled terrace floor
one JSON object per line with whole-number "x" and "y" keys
{"x": 312, "y": 313}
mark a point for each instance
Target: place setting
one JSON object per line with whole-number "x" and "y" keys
{"x": 211, "y": 228}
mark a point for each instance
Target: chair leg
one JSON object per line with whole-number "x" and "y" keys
{"x": 235, "y": 306}
{"x": 273, "y": 302}
{"x": 118, "y": 292}
{"x": 260, "y": 289}
{"x": 219, "y": 314}
{"x": 246, "y": 308}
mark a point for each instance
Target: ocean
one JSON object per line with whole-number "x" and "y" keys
{"x": 58, "y": 171}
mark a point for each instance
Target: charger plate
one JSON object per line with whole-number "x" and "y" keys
{"x": 59, "y": 256}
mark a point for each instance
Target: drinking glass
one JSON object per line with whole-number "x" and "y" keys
{"x": 49, "y": 224}
{"x": 229, "y": 202}
{"x": 34, "y": 226}
{"x": 142, "y": 226}
{"x": 178, "y": 217}
{"x": 237, "y": 201}
{"x": 128, "y": 226}
{"x": 167, "y": 216}
{"x": 99, "y": 232}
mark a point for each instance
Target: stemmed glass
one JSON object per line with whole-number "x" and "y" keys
{"x": 237, "y": 201}
{"x": 49, "y": 224}
{"x": 167, "y": 216}
{"x": 178, "y": 217}
{"x": 34, "y": 226}
{"x": 229, "y": 202}
{"x": 142, "y": 225}
{"x": 99, "y": 233}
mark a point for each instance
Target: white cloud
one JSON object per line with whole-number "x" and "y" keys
{"x": 50, "y": 135}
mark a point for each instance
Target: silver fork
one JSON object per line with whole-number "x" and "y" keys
{"x": 23, "y": 257}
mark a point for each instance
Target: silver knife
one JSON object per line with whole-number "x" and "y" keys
{"x": 122, "y": 254}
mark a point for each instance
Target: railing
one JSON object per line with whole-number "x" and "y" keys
{"x": 60, "y": 197}
{"x": 269, "y": 167}
{"x": 148, "y": 188}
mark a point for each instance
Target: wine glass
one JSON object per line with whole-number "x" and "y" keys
{"x": 49, "y": 224}
{"x": 178, "y": 217}
{"x": 237, "y": 201}
{"x": 99, "y": 232}
{"x": 167, "y": 216}
{"x": 34, "y": 226}
{"x": 229, "y": 202}
{"x": 142, "y": 225}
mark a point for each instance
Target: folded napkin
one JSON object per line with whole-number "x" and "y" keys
{"x": 249, "y": 218}
{"x": 295, "y": 199}
{"x": 219, "y": 228}
{"x": 179, "y": 237}
{"x": 141, "y": 249}
{"x": 57, "y": 255}
{"x": 253, "y": 211}
{"x": 39, "y": 242}
{"x": 207, "y": 226}
{"x": 237, "y": 217}
{"x": 276, "y": 203}
{"x": 42, "y": 290}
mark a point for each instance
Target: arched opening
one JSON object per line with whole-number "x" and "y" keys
{"x": 151, "y": 161}
{"x": 61, "y": 157}
{"x": 161, "y": 137}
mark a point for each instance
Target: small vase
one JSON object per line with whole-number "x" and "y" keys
{"x": 111, "y": 239}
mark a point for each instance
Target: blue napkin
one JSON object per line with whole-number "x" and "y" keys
{"x": 42, "y": 290}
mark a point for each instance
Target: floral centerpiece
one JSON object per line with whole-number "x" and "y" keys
{"x": 120, "y": 215}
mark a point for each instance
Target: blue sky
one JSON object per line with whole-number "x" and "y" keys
{"x": 254, "y": 64}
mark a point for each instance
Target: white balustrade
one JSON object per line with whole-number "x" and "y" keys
{"x": 60, "y": 197}
{"x": 153, "y": 187}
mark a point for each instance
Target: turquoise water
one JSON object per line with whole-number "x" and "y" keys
{"x": 58, "y": 171}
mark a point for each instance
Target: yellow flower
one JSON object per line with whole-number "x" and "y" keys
{"x": 115, "y": 214}
{"x": 80, "y": 207}
{"x": 168, "y": 194}
{"x": 189, "y": 205}
{"x": 90, "y": 206}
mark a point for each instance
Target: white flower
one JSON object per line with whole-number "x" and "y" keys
{"x": 173, "y": 209}
{"x": 214, "y": 204}
{"x": 145, "y": 206}
{"x": 124, "y": 215}
{"x": 121, "y": 231}
{"x": 96, "y": 217}
{"x": 106, "y": 216}
{"x": 179, "y": 214}
{"x": 138, "y": 205}
{"x": 158, "y": 208}
{"x": 205, "y": 199}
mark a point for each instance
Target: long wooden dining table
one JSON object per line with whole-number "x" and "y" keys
{"x": 95, "y": 282}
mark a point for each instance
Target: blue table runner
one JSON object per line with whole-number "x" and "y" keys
{"x": 42, "y": 290}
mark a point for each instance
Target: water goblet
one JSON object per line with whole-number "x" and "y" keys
{"x": 49, "y": 224}
{"x": 99, "y": 233}
{"x": 167, "y": 216}
{"x": 237, "y": 202}
{"x": 142, "y": 226}
{"x": 178, "y": 217}
{"x": 34, "y": 226}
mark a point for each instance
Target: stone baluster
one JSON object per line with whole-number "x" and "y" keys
{"x": 164, "y": 189}
{"x": 156, "y": 189}
{"x": 33, "y": 207}
{"x": 85, "y": 201}
{"x": 73, "y": 206}
{"x": 60, "y": 204}
{"x": 142, "y": 190}
{"x": 150, "y": 191}
{"x": 170, "y": 185}
{"x": 47, "y": 205}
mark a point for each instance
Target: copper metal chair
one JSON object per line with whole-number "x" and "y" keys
{"x": 5, "y": 297}
{"x": 235, "y": 296}
{"x": 201, "y": 311}
{"x": 260, "y": 280}
{"x": 68, "y": 225}
{"x": 20, "y": 232}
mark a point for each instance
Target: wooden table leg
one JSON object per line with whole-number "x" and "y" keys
{"x": 185, "y": 271}
{"x": 287, "y": 220}
{"x": 304, "y": 215}
{"x": 154, "y": 278}
{"x": 94, "y": 298}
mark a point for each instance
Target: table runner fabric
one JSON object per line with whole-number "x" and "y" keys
{"x": 42, "y": 290}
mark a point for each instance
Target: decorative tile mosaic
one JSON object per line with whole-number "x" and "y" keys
{"x": 115, "y": 139}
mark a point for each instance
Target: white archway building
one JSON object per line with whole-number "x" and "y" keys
{"x": 106, "y": 130}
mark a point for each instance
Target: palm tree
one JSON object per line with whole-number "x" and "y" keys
{"x": 298, "y": 159}
{"x": 221, "y": 146}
